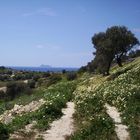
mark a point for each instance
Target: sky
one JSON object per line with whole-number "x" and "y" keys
{"x": 58, "y": 32}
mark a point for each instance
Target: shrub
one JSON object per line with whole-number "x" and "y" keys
{"x": 19, "y": 76}
{"x": 15, "y": 88}
{"x": 71, "y": 76}
{"x": 2, "y": 95}
{"x": 4, "y": 77}
{"x": 36, "y": 77}
{"x": 31, "y": 83}
{"x": 53, "y": 79}
{"x": 4, "y": 133}
{"x": 82, "y": 69}
{"x": 64, "y": 71}
{"x": 115, "y": 75}
{"x": 46, "y": 74}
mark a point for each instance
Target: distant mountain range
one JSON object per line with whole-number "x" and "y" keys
{"x": 43, "y": 68}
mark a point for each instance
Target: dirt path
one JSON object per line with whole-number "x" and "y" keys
{"x": 59, "y": 129}
{"x": 9, "y": 115}
{"x": 62, "y": 127}
{"x": 121, "y": 130}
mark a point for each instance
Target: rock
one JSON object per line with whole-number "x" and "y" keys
{"x": 8, "y": 116}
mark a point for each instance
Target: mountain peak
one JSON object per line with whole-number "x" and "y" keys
{"x": 45, "y": 66}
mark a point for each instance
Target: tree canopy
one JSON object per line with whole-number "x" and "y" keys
{"x": 112, "y": 44}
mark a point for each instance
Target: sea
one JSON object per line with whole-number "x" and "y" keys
{"x": 43, "y": 69}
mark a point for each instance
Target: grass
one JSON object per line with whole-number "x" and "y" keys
{"x": 23, "y": 99}
{"x": 91, "y": 119}
{"x": 3, "y": 84}
{"x": 56, "y": 97}
{"x": 123, "y": 91}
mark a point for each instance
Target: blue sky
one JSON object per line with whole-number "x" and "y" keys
{"x": 58, "y": 32}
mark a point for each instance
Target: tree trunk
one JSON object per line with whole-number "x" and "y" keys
{"x": 108, "y": 68}
{"x": 119, "y": 62}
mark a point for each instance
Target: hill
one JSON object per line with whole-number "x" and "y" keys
{"x": 105, "y": 107}
{"x": 121, "y": 90}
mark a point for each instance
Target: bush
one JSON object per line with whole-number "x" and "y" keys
{"x": 46, "y": 74}
{"x": 53, "y": 79}
{"x": 48, "y": 81}
{"x": 36, "y": 77}
{"x": 82, "y": 69}
{"x": 71, "y": 76}
{"x": 64, "y": 71}
{"x": 31, "y": 83}
{"x": 19, "y": 76}
{"x": 15, "y": 88}
{"x": 4, "y": 77}
{"x": 2, "y": 95}
{"x": 115, "y": 75}
{"x": 4, "y": 133}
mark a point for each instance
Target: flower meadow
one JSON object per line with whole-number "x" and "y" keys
{"x": 123, "y": 92}
{"x": 90, "y": 93}
{"x": 92, "y": 121}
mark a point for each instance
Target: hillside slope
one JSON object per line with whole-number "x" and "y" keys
{"x": 106, "y": 108}
{"x": 122, "y": 90}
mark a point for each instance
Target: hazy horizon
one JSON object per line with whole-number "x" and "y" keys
{"x": 58, "y": 33}
{"x": 42, "y": 67}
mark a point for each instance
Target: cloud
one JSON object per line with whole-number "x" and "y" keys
{"x": 41, "y": 12}
{"x": 48, "y": 46}
{"x": 137, "y": 30}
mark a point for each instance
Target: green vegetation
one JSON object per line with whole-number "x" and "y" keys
{"x": 22, "y": 93}
{"x": 120, "y": 89}
{"x": 23, "y": 99}
{"x": 124, "y": 93}
{"x": 111, "y": 45}
{"x": 89, "y": 91}
{"x": 71, "y": 76}
{"x": 56, "y": 98}
{"x": 4, "y": 134}
{"x": 14, "y": 89}
{"x": 91, "y": 119}
{"x": 5, "y": 74}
